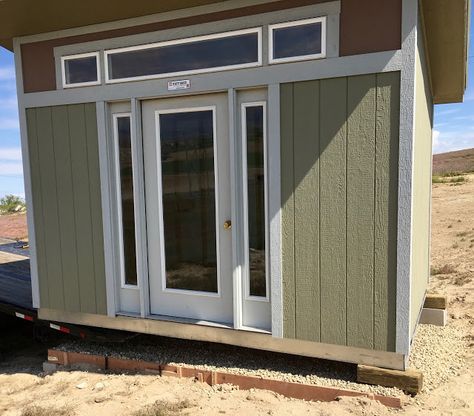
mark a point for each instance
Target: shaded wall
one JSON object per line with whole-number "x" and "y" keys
{"x": 421, "y": 185}
{"x": 64, "y": 158}
{"x": 339, "y": 146}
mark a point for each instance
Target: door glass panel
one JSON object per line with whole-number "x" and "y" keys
{"x": 128, "y": 208}
{"x": 256, "y": 199}
{"x": 189, "y": 210}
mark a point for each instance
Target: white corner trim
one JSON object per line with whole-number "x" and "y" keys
{"x": 274, "y": 208}
{"x": 27, "y": 178}
{"x": 405, "y": 175}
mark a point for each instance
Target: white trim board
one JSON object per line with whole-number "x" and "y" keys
{"x": 27, "y": 179}
{"x": 221, "y": 81}
{"x": 405, "y": 175}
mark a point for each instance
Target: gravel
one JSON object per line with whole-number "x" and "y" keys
{"x": 437, "y": 352}
{"x": 234, "y": 360}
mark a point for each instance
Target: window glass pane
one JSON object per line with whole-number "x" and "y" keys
{"x": 189, "y": 213}
{"x": 79, "y": 70}
{"x": 256, "y": 199}
{"x": 192, "y": 56}
{"x": 296, "y": 41}
{"x": 128, "y": 208}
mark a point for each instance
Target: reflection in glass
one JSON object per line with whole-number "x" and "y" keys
{"x": 191, "y": 56}
{"x": 297, "y": 41}
{"x": 189, "y": 212}
{"x": 256, "y": 198}
{"x": 128, "y": 208}
{"x": 79, "y": 70}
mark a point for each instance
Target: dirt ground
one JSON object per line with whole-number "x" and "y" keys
{"x": 13, "y": 226}
{"x": 80, "y": 393}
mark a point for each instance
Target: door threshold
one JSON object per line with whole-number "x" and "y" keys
{"x": 190, "y": 321}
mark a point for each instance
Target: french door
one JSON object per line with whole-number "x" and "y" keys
{"x": 205, "y": 206}
{"x": 187, "y": 184}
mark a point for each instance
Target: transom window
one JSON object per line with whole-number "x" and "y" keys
{"x": 80, "y": 70}
{"x": 300, "y": 40}
{"x": 231, "y": 50}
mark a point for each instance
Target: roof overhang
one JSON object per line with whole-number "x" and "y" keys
{"x": 446, "y": 30}
{"x": 31, "y": 17}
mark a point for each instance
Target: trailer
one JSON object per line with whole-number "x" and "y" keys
{"x": 16, "y": 298}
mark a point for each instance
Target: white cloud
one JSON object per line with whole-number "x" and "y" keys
{"x": 447, "y": 112}
{"x": 7, "y": 74}
{"x": 450, "y": 141}
{"x": 13, "y": 153}
{"x": 436, "y": 135}
{"x": 9, "y": 123}
{"x": 8, "y": 168}
{"x": 8, "y": 104}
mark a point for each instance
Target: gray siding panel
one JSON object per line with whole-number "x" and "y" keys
{"x": 361, "y": 206}
{"x": 37, "y": 202}
{"x": 288, "y": 211}
{"x": 339, "y": 209}
{"x": 66, "y": 213}
{"x": 333, "y": 201}
{"x": 306, "y": 185}
{"x": 68, "y": 216}
{"x": 49, "y": 199}
{"x": 96, "y": 205}
{"x": 386, "y": 210}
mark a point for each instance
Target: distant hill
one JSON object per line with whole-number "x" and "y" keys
{"x": 459, "y": 161}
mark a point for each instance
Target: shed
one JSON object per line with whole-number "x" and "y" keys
{"x": 248, "y": 172}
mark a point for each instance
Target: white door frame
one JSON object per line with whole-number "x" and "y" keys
{"x": 236, "y": 102}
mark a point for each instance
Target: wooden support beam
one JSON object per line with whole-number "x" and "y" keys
{"x": 435, "y": 301}
{"x": 410, "y": 381}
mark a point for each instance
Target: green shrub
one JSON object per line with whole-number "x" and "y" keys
{"x": 10, "y": 204}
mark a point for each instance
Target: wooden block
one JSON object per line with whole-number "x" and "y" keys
{"x": 410, "y": 381}
{"x": 438, "y": 317}
{"x": 436, "y": 301}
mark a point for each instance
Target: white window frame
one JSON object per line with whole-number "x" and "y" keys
{"x": 118, "y": 188}
{"x": 246, "y": 269}
{"x": 272, "y": 28}
{"x": 79, "y": 56}
{"x": 165, "y": 289}
{"x": 257, "y": 30}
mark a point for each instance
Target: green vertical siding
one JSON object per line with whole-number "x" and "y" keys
{"x": 339, "y": 143}
{"x": 63, "y": 145}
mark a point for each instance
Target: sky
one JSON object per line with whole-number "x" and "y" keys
{"x": 453, "y": 123}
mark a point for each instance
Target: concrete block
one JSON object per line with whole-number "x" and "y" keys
{"x": 430, "y": 316}
{"x": 49, "y": 368}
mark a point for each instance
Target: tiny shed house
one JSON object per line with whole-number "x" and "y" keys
{"x": 249, "y": 172}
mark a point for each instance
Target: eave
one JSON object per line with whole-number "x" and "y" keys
{"x": 446, "y": 32}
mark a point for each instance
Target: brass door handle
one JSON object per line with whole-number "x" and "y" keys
{"x": 228, "y": 225}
